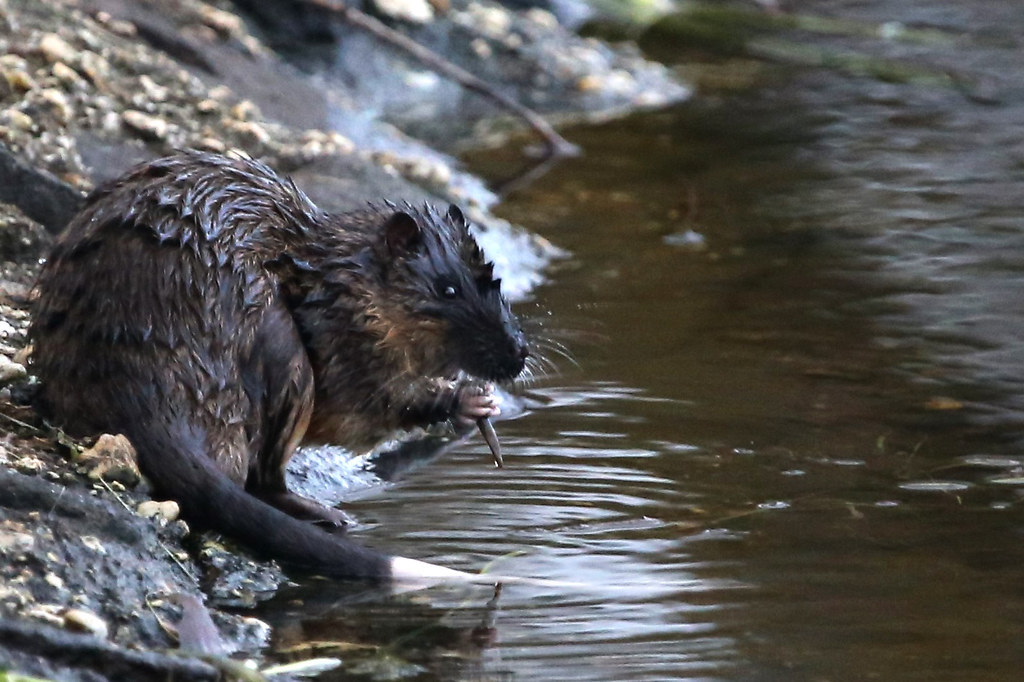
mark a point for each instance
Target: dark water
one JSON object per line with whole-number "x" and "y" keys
{"x": 792, "y": 447}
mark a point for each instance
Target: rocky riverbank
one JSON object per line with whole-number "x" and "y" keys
{"x": 92, "y": 574}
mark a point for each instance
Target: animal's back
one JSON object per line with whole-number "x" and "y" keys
{"x": 149, "y": 315}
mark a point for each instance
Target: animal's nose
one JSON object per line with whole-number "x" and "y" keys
{"x": 522, "y": 349}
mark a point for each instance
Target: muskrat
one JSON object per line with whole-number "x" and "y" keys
{"x": 204, "y": 307}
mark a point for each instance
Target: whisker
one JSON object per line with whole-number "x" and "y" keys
{"x": 554, "y": 348}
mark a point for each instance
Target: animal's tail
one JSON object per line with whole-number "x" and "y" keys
{"x": 209, "y": 498}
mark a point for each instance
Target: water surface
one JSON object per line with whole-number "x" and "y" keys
{"x": 791, "y": 446}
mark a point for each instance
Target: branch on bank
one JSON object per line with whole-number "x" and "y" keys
{"x": 557, "y": 145}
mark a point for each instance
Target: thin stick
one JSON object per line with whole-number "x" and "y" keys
{"x": 20, "y": 423}
{"x": 487, "y": 430}
{"x": 557, "y": 145}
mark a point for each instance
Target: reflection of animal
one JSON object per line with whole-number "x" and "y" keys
{"x": 208, "y": 310}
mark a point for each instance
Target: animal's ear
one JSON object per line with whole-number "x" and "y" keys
{"x": 402, "y": 234}
{"x": 455, "y": 216}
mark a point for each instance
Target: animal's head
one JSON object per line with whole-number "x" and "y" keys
{"x": 436, "y": 274}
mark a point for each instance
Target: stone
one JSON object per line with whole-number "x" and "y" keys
{"x": 113, "y": 458}
{"x": 413, "y": 11}
{"x": 10, "y": 371}
{"x": 55, "y": 49}
{"x": 81, "y": 620}
{"x": 167, "y": 510}
{"x": 149, "y": 127}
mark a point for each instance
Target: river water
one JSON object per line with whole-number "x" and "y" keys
{"x": 789, "y": 445}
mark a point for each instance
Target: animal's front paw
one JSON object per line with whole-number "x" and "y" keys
{"x": 475, "y": 402}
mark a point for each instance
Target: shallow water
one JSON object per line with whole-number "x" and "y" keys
{"x": 791, "y": 448}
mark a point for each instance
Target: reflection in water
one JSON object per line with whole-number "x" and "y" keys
{"x": 795, "y": 454}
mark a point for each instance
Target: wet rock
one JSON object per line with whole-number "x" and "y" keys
{"x": 46, "y": 613}
{"x": 413, "y": 11}
{"x": 148, "y": 127}
{"x": 250, "y": 131}
{"x": 492, "y": 21}
{"x": 81, "y": 620}
{"x": 481, "y": 47}
{"x": 196, "y": 629}
{"x": 38, "y": 194}
{"x": 208, "y": 106}
{"x": 95, "y": 67}
{"x": 168, "y": 510}
{"x": 153, "y": 92}
{"x": 116, "y": 26}
{"x": 66, "y": 75}
{"x": 54, "y": 653}
{"x": 224, "y": 23}
{"x": 18, "y": 120}
{"x": 14, "y": 540}
{"x": 112, "y": 458}
{"x": 102, "y": 551}
{"x": 15, "y": 72}
{"x": 211, "y": 144}
{"x": 55, "y": 49}
{"x": 542, "y": 18}
{"x": 55, "y": 102}
{"x": 235, "y": 579}
{"x": 10, "y": 371}
{"x": 245, "y": 110}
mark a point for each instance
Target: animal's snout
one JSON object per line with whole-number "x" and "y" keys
{"x": 522, "y": 349}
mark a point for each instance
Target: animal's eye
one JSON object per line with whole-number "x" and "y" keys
{"x": 449, "y": 291}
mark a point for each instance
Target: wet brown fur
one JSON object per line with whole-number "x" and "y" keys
{"x": 205, "y": 308}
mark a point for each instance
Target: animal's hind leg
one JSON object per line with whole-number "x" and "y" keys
{"x": 280, "y": 385}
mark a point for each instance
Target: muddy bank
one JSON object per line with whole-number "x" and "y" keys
{"x": 92, "y": 577}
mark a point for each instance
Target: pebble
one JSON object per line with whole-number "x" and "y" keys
{"x": 66, "y": 75}
{"x": 95, "y": 68}
{"x": 94, "y": 543}
{"x": 220, "y": 92}
{"x": 342, "y": 144}
{"x": 113, "y": 459}
{"x": 211, "y": 144}
{"x": 116, "y": 26}
{"x": 248, "y": 129}
{"x": 19, "y": 80}
{"x": 55, "y": 49}
{"x": 57, "y": 103}
{"x": 10, "y": 371}
{"x": 166, "y": 509}
{"x": 245, "y": 110}
{"x": 85, "y": 621}
{"x": 617, "y": 81}
{"x": 110, "y": 122}
{"x": 207, "y": 106}
{"x": 491, "y": 21}
{"x": 481, "y": 48}
{"x": 15, "y": 72}
{"x": 22, "y": 356}
{"x": 542, "y": 18}
{"x": 29, "y": 465}
{"x": 13, "y": 61}
{"x": 18, "y": 120}
{"x": 413, "y": 11}
{"x": 149, "y": 127}
{"x": 224, "y": 23}
{"x": 15, "y": 541}
{"x": 46, "y": 613}
{"x": 156, "y": 93}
